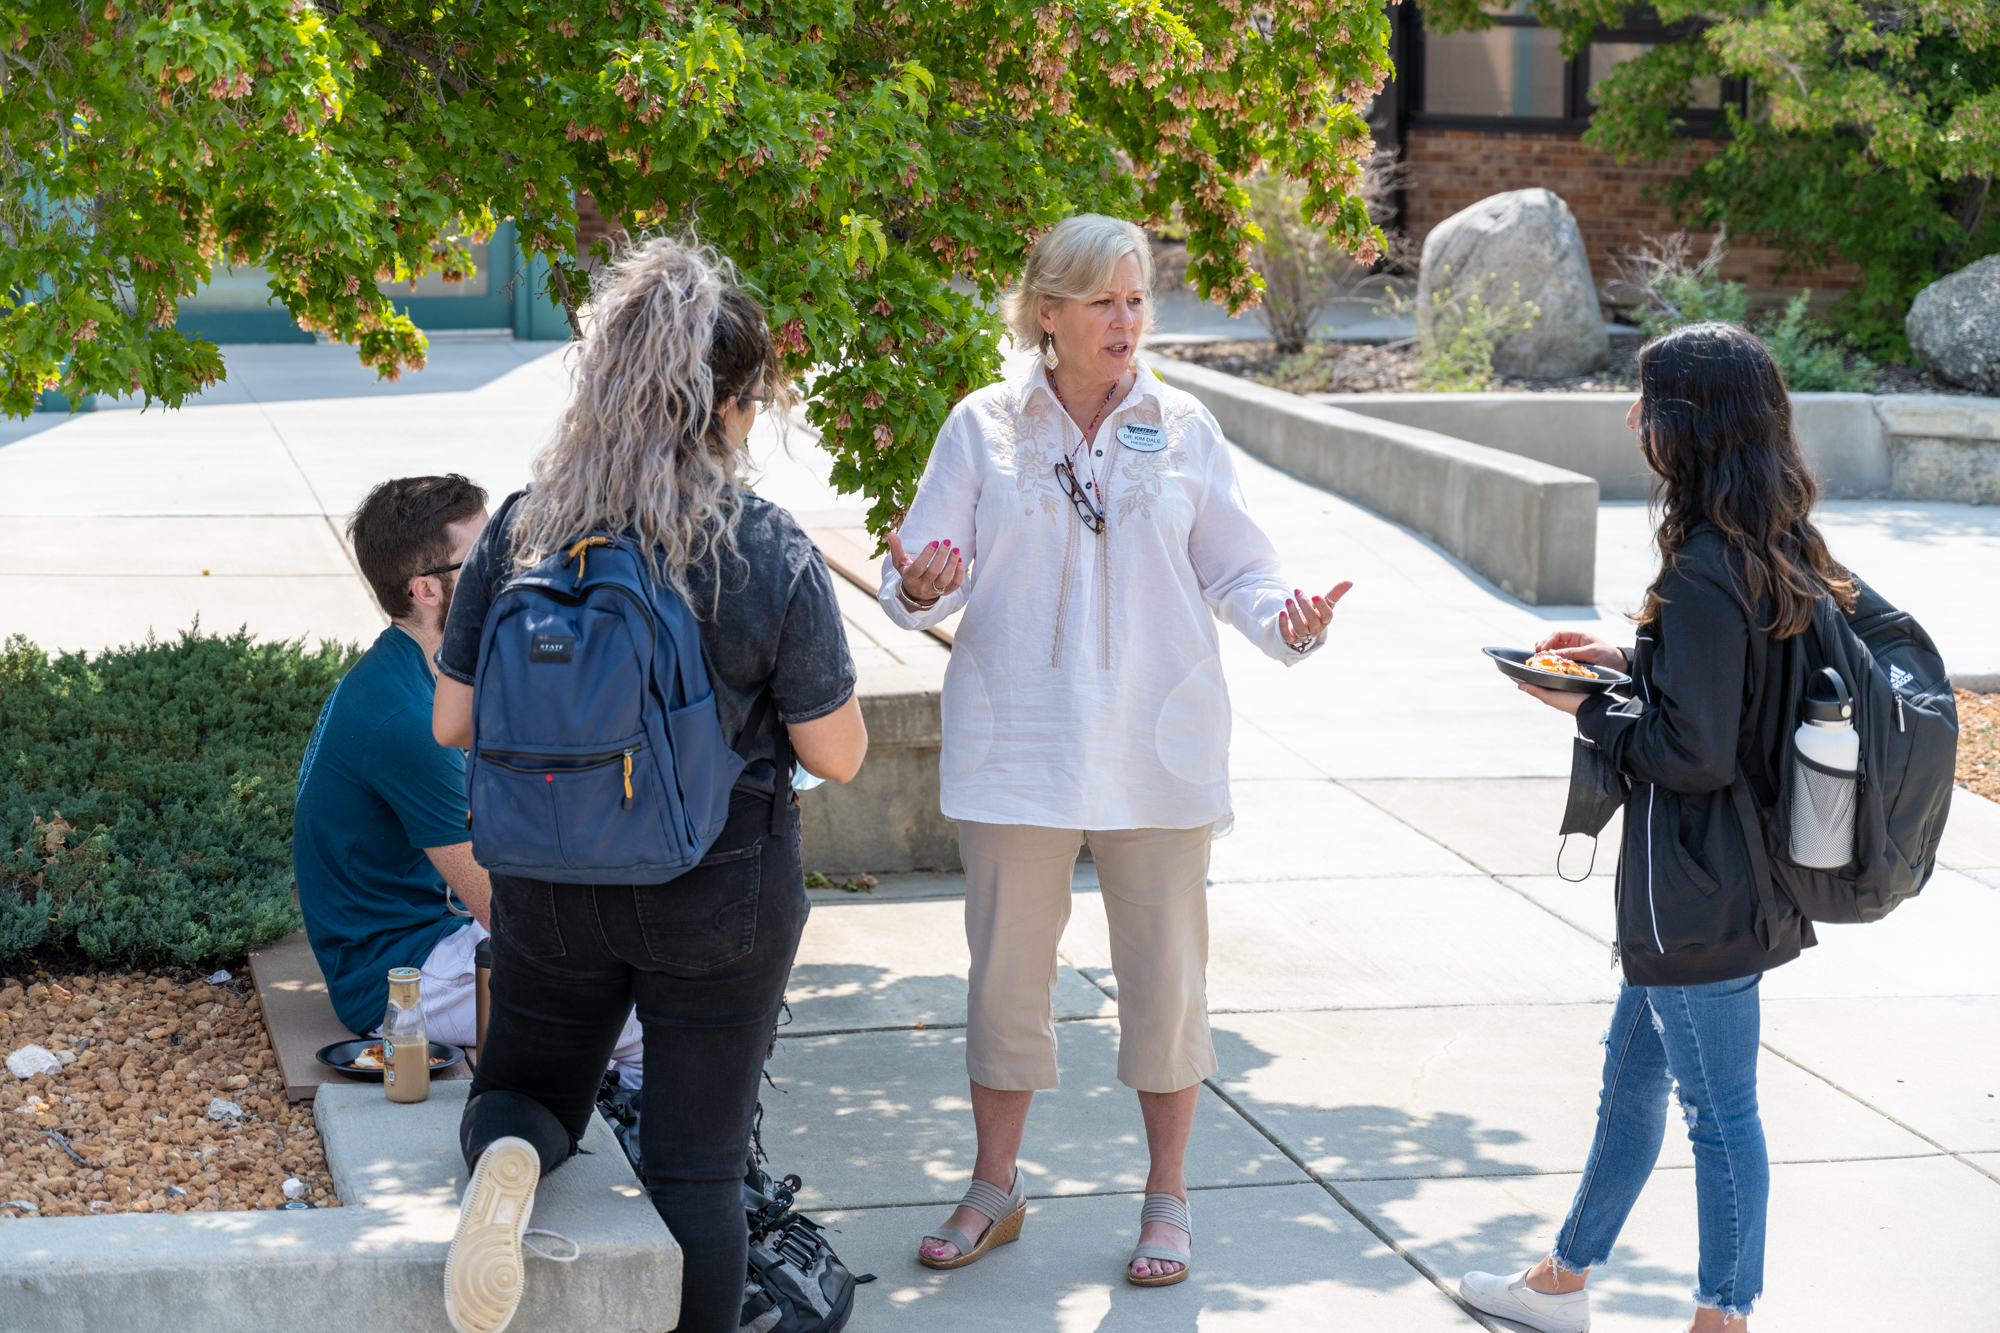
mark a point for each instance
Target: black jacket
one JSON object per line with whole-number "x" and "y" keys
{"x": 1705, "y": 701}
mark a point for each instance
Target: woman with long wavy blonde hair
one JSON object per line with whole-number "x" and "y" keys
{"x": 676, "y": 362}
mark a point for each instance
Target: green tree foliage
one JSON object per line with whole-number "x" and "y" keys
{"x": 1872, "y": 133}
{"x": 876, "y": 170}
{"x": 146, "y": 796}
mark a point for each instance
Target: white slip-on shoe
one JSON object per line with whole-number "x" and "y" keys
{"x": 1510, "y": 1298}
{"x": 482, "y": 1270}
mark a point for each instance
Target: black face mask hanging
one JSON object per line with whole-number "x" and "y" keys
{"x": 1596, "y": 791}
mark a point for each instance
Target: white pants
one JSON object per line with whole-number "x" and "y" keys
{"x": 449, "y": 993}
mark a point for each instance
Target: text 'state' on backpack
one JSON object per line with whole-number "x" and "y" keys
{"x": 597, "y": 754}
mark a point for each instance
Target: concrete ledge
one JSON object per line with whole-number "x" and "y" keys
{"x": 888, "y": 818}
{"x": 1942, "y": 448}
{"x": 378, "y": 1262}
{"x": 1529, "y": 526}
{"x": 1844, "y": 443}
{"x": 1861, "y": 446}
{"x": 1579, "y": 432}
{"x": 1841, "y": 434}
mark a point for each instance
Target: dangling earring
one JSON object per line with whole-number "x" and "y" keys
{"x": 1049, "y": 357}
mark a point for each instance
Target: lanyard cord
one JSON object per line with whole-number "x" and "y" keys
{"x": 1102, "y": 407}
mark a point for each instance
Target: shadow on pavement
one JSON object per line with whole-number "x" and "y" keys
{"x": 1424, "y": 1179}
{"x": 878, "y": 1122}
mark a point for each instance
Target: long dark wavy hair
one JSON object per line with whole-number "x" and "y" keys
{"x": 1715, "y": 423}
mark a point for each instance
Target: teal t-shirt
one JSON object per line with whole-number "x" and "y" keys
{"x": 375, "y": 789}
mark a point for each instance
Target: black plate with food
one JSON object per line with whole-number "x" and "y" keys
{"x": 360, "y": 1058}
{"x": 1515, "y": 662}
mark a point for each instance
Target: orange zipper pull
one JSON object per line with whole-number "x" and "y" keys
{"x": 628, "y": 781}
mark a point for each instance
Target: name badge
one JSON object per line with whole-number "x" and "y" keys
{"x": 1145, "y": 439}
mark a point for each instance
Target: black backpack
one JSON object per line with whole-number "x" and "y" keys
{"x": 795, "y": 1283}
{"x": 1908, "y": 724}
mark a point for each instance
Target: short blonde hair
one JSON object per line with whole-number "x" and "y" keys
{"x": 1073, "y": 261}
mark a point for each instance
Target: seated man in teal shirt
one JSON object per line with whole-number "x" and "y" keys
{"x": 378, "y": 835}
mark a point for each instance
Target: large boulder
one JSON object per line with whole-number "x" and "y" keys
{"x": 1954, "y": 326}
{"x": 1529, "y": 238}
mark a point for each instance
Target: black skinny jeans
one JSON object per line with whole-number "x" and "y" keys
{"x": 705, "y": 958}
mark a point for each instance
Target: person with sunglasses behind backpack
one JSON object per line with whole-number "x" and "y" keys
{"x": 1743, "y": 571}
{"x": 643, "y": 468}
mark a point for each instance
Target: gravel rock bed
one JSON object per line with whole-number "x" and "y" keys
{"x": 1329, "y": 367}
{"x": 129, "y": 1122}
{"x": 1979, "y": 743}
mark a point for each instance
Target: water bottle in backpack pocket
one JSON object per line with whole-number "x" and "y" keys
{"x": 1826, "y": 751}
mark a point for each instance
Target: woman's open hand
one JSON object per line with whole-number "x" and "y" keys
{"x": 1305, "y": 618}
{"x": 933, "y": 572}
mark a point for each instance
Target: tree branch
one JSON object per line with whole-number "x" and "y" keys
{"x": 402, "y": 46}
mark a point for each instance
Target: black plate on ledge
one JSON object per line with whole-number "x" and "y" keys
{"x": 1514, "y": 662}
{"x": 339, "y": 1057}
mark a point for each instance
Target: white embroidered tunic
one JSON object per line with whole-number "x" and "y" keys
{"x": 1085, "y": 688}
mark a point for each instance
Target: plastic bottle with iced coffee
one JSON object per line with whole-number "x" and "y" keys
{"x": 406, "y": 1040}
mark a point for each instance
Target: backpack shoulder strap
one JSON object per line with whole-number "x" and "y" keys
{"x": 1752, "y": 825}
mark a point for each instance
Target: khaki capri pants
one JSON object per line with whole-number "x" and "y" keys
{"x": 1017, "y": 901}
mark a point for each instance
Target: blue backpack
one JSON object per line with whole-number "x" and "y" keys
{"x": 597, "y": 755}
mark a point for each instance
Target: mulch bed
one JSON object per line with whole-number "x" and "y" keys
{"x": 1329, "y": 367}
{"x": 1979, "y": 743}
{"x": 126, "y": 1119}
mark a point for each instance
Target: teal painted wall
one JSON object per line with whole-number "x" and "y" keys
{"x": 511, "y": 300}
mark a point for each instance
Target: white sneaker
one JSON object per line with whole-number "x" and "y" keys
{"x": 482, "y": 1270}
{"x": 1510, "y": 1298}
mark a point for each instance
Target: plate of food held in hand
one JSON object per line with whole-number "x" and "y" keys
{"x": 364, "y": 1057}
{"x": 1551, "y": 671}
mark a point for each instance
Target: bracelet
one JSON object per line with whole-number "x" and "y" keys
{"x": 914, "y": 604}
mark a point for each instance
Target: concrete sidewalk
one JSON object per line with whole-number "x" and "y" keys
{"x": 1406, "y": 997}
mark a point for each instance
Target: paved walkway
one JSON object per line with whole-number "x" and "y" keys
{"x": 1406, "y": 998}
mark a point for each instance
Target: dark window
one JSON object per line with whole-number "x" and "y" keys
{"x": 1602, "y": 56}
{"x": 1513, "y": 75}
{"x": 1508, "y": 70}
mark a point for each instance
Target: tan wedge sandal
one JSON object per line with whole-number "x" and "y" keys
{"x": 1174, "y": 1212}
{"x": 1004, "y": 1212}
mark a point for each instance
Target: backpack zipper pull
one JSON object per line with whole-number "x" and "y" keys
{"x": 1899, "y": 714}
{"x": 627, "y": 804}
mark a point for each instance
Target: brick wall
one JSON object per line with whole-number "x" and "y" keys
{"x": 591, "y": 224}
{"x": 1452, "y": 169}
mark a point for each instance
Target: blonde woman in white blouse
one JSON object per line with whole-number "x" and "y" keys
{"x": 1087, "y": 519}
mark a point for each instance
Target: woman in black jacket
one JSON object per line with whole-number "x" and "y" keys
{"x": 1741, "y": 568}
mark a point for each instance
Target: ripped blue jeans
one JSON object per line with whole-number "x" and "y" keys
{"x": 1699, "y": 1042}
